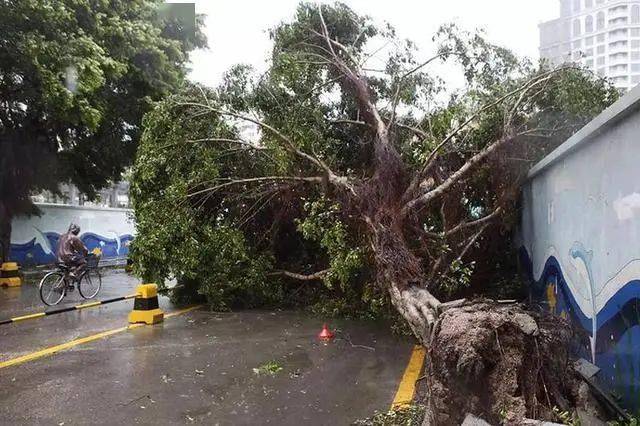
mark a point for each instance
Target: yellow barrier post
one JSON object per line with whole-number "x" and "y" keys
{"x": 145, "y": 306}
{"x": 9, "y": 275}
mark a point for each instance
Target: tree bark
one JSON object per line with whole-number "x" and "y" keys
{"x": 399, "y": 271}
{"x": 302, "y": 277}
{"x": 5, "y": 232}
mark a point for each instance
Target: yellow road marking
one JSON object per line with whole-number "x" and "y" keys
{"x": 407, "y": 386}
{"x": 68, "y": 345}
{"x": 26, "y": 317}
{"x": 181, "y": 311}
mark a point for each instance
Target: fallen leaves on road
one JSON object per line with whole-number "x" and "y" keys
{"x": 270, "y": 368}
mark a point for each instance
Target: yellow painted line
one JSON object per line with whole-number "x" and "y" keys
{"x": 182, "y": 311}
{"x": 26, "y": 317}
{"x": 88, "y": 305}
{"x": 68, "y": 345}
{"x": 407, "y": 386}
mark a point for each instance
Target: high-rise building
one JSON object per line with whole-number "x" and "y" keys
{"x": 604, "y": 35}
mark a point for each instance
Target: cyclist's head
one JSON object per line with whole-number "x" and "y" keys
{"x": 74, "y": 229}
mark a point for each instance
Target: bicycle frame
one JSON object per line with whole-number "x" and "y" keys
{"x": 69, "y": 279}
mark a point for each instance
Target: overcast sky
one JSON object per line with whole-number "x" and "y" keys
{"x": 236, "y": 28}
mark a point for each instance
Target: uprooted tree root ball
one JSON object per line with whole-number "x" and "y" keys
{"x": 499, "y": 362}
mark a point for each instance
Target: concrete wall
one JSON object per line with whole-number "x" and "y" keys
{"x": 580, "y": 239}
{"x": 34, "y": 239}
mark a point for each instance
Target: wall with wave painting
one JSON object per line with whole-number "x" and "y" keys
{"x": 580, "y": 241}
{"x": 34, "y": 239}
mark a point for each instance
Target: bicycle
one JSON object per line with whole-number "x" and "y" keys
{"x": 54, "y": 285}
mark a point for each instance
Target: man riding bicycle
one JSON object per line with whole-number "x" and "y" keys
{"x": 72, "y": 251}
{"x": 75, "y": 266}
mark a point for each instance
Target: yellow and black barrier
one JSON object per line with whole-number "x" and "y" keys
{"x": 145, "y": 306}
{"x": 68, "y": 309}
{"x": 10, "y": 275}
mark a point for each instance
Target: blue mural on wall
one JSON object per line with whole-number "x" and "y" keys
{"x": 608, "y": 336}
{"x": 41, "y": 249}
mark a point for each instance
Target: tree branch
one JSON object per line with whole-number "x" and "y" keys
{"x": 288, "y": 142}
{"x": 524, "y": 89}
{"x": 310, "y": 277}
{"x": 471, "y": 241}
{"x": 356, "y": 122}
{"x": 459, "y": 174}
{"x": 483, "y": 220}
{"x": 340, "y": 181}
{"x": 226, "y": 140}
{"x": 231, "y": 182}
{"x": 424, "y": 64}
{"x": 419, "y": 132}
{"x": 467, "y": 247}
{"x": 360, "y": 86}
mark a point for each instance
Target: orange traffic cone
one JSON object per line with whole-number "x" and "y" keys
{"x": 325, "y": 334}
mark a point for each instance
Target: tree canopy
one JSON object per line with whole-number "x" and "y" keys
{"x": 350, "y": 168}
{"x": 76, "y": 78}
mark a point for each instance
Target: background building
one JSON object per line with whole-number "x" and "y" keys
{"x": 604, "y": 35}
{"x": 106, "y": 223}
{"x": 115, "y": 195}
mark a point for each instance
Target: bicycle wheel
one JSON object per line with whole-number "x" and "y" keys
{"x": 90, "y": 283}
{"x": 53, "y": 288}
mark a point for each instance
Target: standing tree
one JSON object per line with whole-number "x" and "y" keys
{"x": 76, "y": 78}
{"x": 367, "y": 152}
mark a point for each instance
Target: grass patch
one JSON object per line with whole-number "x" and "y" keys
{"x": 268, "y": 369}
{"x": 406, "y": 416}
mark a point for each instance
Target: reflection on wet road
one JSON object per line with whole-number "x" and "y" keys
{"x": 195, "y": 367}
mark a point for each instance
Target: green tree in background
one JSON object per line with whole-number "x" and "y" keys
{"x": 76, "y": 78}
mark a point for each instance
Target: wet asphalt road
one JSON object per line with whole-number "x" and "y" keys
{"x": 197, "y": 367}
{"x": 24, "y": 337}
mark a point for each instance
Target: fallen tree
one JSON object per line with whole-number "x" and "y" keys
{"x": 348, "y": 137}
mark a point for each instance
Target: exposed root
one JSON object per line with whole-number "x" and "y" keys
{"x": 418, "y": 307}
{"x": 498, "y": 362}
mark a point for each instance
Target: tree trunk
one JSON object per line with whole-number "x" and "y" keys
{"x": 5, "y": 232}
{"x": 399, "y": 271}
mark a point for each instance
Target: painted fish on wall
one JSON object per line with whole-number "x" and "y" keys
{"x": 34, "y": 239}
{"x": 609, "y": 336}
